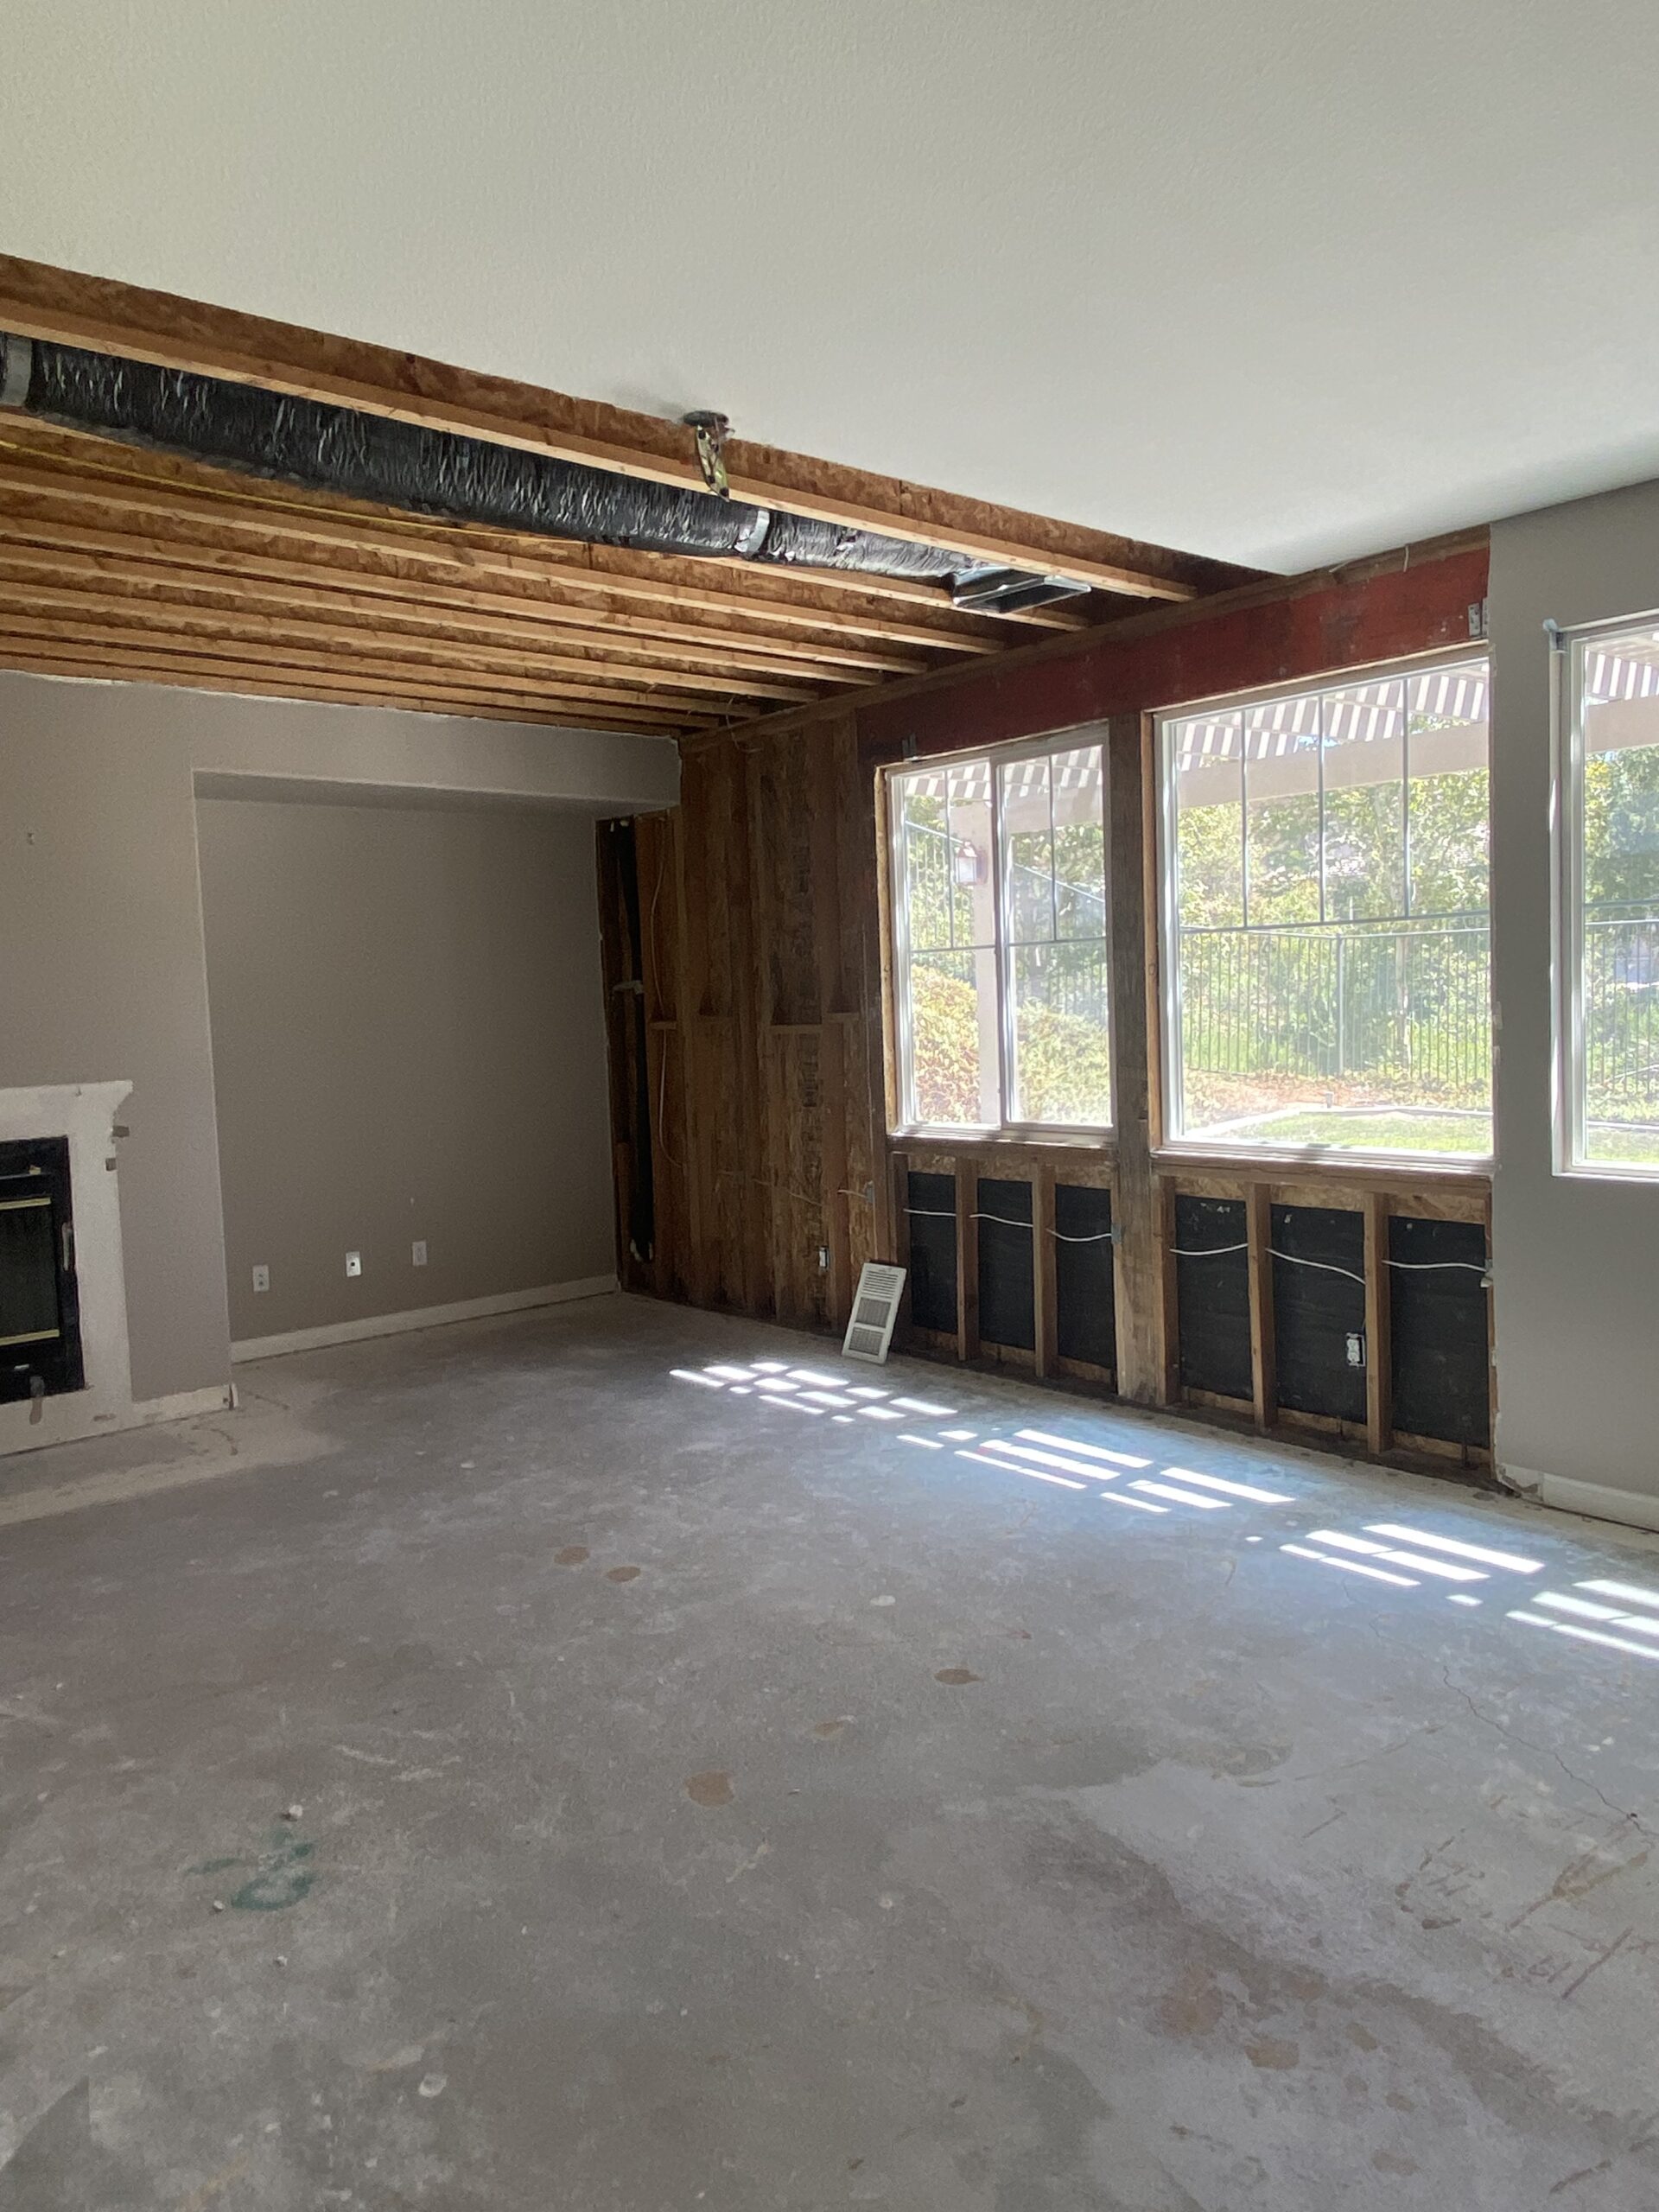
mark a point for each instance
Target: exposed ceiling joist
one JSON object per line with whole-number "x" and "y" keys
{"x": 73, "y": 467}
{"x": 42, "y": 303}
{"x": 255, "y": 679}
{"x": 32, "y": 519}
{"x": 118, "y": 601}
{"x": 109, "y": 559}
{"x": 124, "y": 560}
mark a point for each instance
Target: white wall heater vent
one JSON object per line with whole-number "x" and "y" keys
{"x": 875, "y": 1309}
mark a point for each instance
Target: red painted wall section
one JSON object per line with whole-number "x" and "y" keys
{"x": 1311, "y": 631}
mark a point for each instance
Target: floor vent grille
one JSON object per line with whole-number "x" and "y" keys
{"x": 875, "y": 1309}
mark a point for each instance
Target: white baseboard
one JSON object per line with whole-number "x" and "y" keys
{"x": 1632, "y": 1506}
{"x": 420, "y": 1317}
{"x": 70, "y": 1418}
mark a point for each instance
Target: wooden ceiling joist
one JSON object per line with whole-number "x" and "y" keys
{"x": 38, "y": 301}
{"x": 257, "y": 682}
{"x": 272, "y": 578}
{"x": 532, "y": 673}
{"x": 119, "y": 561}
{"x": 183, "y": 495}
{"x": 180, "y": 631}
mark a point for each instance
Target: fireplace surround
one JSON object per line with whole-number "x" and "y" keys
{"x": 69, "y": 1131}
{"x": 39, "y": 1305}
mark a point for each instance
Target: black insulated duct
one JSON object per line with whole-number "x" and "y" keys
{"x": 321, "y": 447}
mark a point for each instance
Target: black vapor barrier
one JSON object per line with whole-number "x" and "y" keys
{"x": 1318, "y": 1309}
{"x": 324, "y": 448}
{"x": 1212, "y": 1296}
{"x": 1008, "y": 1302}
{"x": 933, "y": 1204}
{"x": 1442, "y": 1379}
{"x": 1085, "y": 1314}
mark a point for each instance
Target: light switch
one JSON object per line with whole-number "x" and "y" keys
{"x": 417, "y": 1252}
{"x": 353, "y": 1263}
{"x": 261, "y": 1278}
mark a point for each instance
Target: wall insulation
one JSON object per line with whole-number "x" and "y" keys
{"x": 1319, "y": 1308}
{"x": 1085, "y": 1294}
{"x": 1007, "y": 1312}
{"x": 933, "y": 1252}
{"x": 1212, "y": 1291}
{"x": 1441, "y": 1372}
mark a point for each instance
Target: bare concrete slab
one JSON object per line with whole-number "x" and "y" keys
{"x": 492, "y": 1769}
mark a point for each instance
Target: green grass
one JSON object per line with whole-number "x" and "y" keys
{"x": 1456, "y": 1136}
{"x": 1638, "y": 1147}
{"x": 1369, "y": 1129}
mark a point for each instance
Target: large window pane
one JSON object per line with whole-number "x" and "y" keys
{"x": 1449, "y": 745}
{"x": 1079, "y": 844}
{"x": 923, "y": 829}
{"x": 1062, "y": 1070}
{"x": 1053, "y": 833}
{"x": 1282, "y": 799}
{"x": 1364, "y": 770}
{"x": 1027, "y": 852}
{"x": 975, "y": 920}
{"x": 1205, "y": 758}
{"x": 1618, "y": 802}
{"x": 1333, "y": 990}
{"x": 952, "y": 1018}
{"x": 1000, "y": 940}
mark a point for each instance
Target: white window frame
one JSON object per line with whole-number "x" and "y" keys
{"x": 1568, "y": 647}
{"x": 1064, "y": 740}
{"x": 1169, "y": 978}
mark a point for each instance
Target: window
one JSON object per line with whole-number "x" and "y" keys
{"x": 998, "y": 875}
{"x": 1611, "y": 908}
{"x": 1326, "y": 944}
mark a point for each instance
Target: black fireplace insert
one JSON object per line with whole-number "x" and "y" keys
{"x": 39, "y": 1312}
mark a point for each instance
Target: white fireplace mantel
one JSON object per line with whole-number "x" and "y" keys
{"x": 84, "y": 1113}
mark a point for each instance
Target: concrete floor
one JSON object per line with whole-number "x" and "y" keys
{"x": 491, "y": 1770}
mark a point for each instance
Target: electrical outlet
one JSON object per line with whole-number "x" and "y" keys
{"x": 824, "y": 1259}
{"x": 353, "y": 1263}
{"x": 417, "y": 1252}
{"x": 261, "y": 1278}
{"x": 1355, "y": 1348}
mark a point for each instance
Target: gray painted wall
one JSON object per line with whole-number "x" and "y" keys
{"x": 409, "y": 1041}
{"x": 1576, "y": 1259}
{"x": 102, "y": 967}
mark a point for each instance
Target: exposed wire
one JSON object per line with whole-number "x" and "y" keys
{"x": 1432, "y": 1266}
{"x": 1327, "y": 1266}
{"x": 933, "y": 1213}
{"x": 1209, "y": 1252}
{"x": 803, "y": 1198}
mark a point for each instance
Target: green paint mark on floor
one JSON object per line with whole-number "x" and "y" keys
{"x": 281, "y": 1874}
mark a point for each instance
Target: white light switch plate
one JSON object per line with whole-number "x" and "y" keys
{"x": 353, "y": 1263}
{"x": 261, "y": 1278}
{"x": 417, "y": 1252}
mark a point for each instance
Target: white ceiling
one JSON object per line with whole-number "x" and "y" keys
{"x": 1280, "y": 281}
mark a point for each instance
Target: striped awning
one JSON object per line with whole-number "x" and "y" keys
{"x": 1359, "y": 714}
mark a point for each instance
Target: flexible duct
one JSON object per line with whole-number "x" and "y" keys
{"x": 373, "y": 457}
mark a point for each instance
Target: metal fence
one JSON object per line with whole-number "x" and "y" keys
{"x": 1621, "y": 1011}
{"x": 1395, "y": 1002}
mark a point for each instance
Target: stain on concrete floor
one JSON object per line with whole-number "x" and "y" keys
{"x": 1237, "y": 1883}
